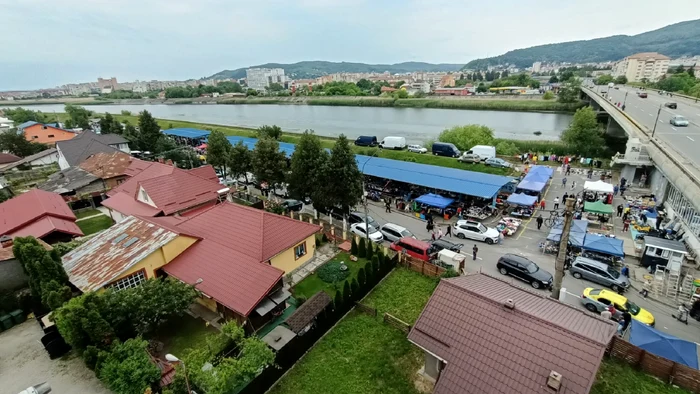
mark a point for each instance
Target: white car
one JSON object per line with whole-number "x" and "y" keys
{"x": 417, "y": 149}
{"x": 469, "y": 229}
{"x": 359, "y": 230}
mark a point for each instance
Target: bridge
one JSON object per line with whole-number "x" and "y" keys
{"x": 669, "y": 155}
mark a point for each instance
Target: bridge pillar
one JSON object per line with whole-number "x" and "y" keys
{"x": 614, "y": 129}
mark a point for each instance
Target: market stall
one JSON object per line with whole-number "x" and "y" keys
{"x": 531, "y": 187}
{"x": 541, "y": 170}
{"x": 663, "y": 252}
{"x": 508, "y": 225}
{"x": 523, "y": 204}
{"x": 663, "y": 344}
{"x": 599, "y": 212}
{"x": 602, "y": 248}
{"x": 598, "y": 187}
{"x": 577, "y": 234}
{"x": 435, "y": 203}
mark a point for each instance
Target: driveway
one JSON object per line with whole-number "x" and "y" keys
{"x": 25, "y": 363}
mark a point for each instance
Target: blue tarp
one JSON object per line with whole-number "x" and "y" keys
{"x": 664, "y": 345}
{"x": 285, "y": 147}
{"x": 435, "y": 200}
{"x": 536, "y": 177}
{"x": 577, "y": 232}
{"x": 187, "y": 133}
{"x": 531, "y": 186}
{"x": 541, "y": 170}
{"x": 606, "y": 245}
{"x": 521, "y": 199}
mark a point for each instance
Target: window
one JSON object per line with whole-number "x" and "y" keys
{"x": 144, "y": 195}
{"x": 51, "y": 135}
{"x": 130, "y": 281}
{"x": 35, "y": 136}
{"x": 300, "y": 250}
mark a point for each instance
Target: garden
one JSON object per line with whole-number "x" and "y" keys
{"x": 94, "y": 224}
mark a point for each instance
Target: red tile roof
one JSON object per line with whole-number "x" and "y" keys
{"x": 138, "y": 171}
{"x": 205, "y": 172}
{"x": 7, "y": 253}
{"x": 37, "y": 213}
{"x": 489, "y": 348}
{"x": 127, "y": 205}
{"x": 179, "y": 191}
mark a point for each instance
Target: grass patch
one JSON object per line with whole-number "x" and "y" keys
{"x": 87, "y": 212}
{"x": 183, "y": 333}
{"x": 615, "y": 377}
{"x": 312, "y": 284}
{"x": 93, "y": 225}
{"x": 403, "y": 294}
{"x": 491, "y": 105}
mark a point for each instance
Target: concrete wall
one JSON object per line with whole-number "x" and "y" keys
{"x": 12, "y": 275}
{"x": 658, "y": 184}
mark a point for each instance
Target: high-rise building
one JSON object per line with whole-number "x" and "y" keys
{"x": 650, "y": 66}
{"x": 260, "y": 78}
{"x": 107, "y": 83}
{"x": 536, "y": 67}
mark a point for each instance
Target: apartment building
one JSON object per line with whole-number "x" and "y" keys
{"x": 650, "y": 66}
{"x": 260, "y": 78}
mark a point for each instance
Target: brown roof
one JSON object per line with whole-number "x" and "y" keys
{"x": 107, "y": 165}
{"x": 37, "y": 213}
{"x": 8, "y": 158}
{"x": 648, "y": 55}
{"x": 489, "y": 348}
{"x": 306, "y": 313}
{"x": 7, "y": 254}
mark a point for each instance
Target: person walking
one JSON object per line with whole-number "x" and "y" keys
{"x": 563, "y": 199}
{"x": 563, "y": 182}
{"x": 439, "y": 233}
{"x": 626, "y": 225}
{"x": 542, "y": 204}
{"x": 556, "y": 203}
{"x": 474, "y": 251}
{"x": 573, "y": 185}
{"x": 539, "y": 222}
{"x": 432, "y": 235}
{"x": 625, "y": 271}
{"x": 387, "y": 205}
{"x": 500, "y": 237}
{"x": 615, "y": 190}
{"x": 568, "y": 169}
{"x": 619, "y": 210}
{"x": 448, "y": 231}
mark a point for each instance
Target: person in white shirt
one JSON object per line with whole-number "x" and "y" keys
{"x": 556, "y": 203}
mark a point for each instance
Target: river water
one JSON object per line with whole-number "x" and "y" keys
{"x": 416, "y": 124}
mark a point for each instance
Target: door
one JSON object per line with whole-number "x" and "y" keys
{"x": 600, "y": 276}
{"x": 391, "y": 234}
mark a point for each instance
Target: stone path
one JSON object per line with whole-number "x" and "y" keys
{"x": 323, "y": 255}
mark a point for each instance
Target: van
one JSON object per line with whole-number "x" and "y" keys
{"x": 445, "y": 149}
{"x": 365, "y": 140}
{"x": 393, "y": 143}
{"x": 485, "y": 152}
{"x": 417, "y": 249}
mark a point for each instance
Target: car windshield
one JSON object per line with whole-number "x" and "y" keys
{"x": 632, "y": 308}
{"x": 371, "y": 229}
{"x": 680, "y": 118}
{"x": 482, "y": 228}
{"x": 532, "y": 268}
{"x": 613, "y": 272}
{"x": 406, "y": 233}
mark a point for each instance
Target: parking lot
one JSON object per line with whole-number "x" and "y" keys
{"x": 25, "y": 363}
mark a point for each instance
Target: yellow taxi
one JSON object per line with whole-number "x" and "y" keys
{"x": 597, "y": 300}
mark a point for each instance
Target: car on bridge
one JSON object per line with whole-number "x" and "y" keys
{"x": 679, "y": 121}
{"x": 671, "y": 105}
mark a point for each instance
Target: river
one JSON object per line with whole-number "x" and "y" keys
{"x": 416, "y": 124}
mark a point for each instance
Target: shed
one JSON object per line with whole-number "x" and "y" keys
{"x": 278, "y": 337}
{"x": 663, "y": 252}
{"x": 301, "y": 318}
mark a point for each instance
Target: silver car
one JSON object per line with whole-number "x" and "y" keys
{"x": 393, "y": 232}
{"x": 679, "y": 121}
{"x": 599, "y": 272}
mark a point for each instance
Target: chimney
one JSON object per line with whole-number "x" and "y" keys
{"x": 6, "y": 242}
{"x": 554, "y": 381}
{"x": 510, "y": 304}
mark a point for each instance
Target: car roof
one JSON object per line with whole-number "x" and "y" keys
{"x": 393, "y": 226}
{"x": 612, "y": 296}
{"x": 590, "y": 261}
{"x": 414, "y": 242}
{"x": 515, "y": 257}
{"x": 464, "y": 221}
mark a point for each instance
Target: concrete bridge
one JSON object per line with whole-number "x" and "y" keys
{"x": 668, "y": 155}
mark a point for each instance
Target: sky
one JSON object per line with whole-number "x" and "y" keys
{"x": 46, "y": 43}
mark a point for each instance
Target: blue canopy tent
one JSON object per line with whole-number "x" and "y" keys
{"x": 435, "y": 200}
{"x": 521, "y": 199}
{"x": 541, "y": 170}
{"x": 531, "y": 186}
{"x": 605, "y": 245}
{"x": 664, "y": 345}
{"x": 186, "y": 132}
{"x": 534, "y": 177}
{"x": 577, "y": 232}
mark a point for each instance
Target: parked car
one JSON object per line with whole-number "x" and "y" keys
{"x": 470, "y": 229}
{"x": 440, "y": 244}
{"x": 292, "y": 205}
{"x": 365, "y": 140}
{"x": 393, "y": 232}
{"x": 679, "y": 121}
{"x": 597, "y": 300}
{"x": 336, "y": 212}
{"x": 360, "y": 229}
{"x": 415, "y": 248}
{"x": 484, "y": 151}
{"x": 359, "y": 217}
{"x": 599, "y": 272}
{"x": 467, "y": 157}
{"x": 417, "y": 149}
{"x": 445, "y": 149}
{"x": 497, "y": 162}
{"x": 525, "y": 270}
{"x": 397, "y": 143}
{"x": 671, "y": 105}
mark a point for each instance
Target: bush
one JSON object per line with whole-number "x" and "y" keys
{"x": 449, "y": 273}
{"x": 347, "y": 293}
{"x": 324, "y": 238}
{"x": 370, "y": 251}
{"x": 300, "y": 300}
{"x": 331, "y": 272}
{"x": 318, "y": 241}
{"x": 338, "y": 302}
{"x": 370, "y": 275}
{"x": 410, "y": 159}
{"x": 362, "y": 249}
{"x": 126, "y": 367}
{"x": 362, "y": 278}
{"x": 507, "y": 148}
{"x": 355, "y": 289}
{"x": 548, "y": 95}
{"x": 353, "y": 247}
{"x": 465, "y": 137}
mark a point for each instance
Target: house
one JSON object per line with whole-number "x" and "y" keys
{"x": 486, "y": 335}
{"x": 86, "y": 144}
{"x": 158, "y": 189}
{"x": 416, "y": 87}
{"x": 43, "y": 158}
{"x": 8, "y": 158}
{"x": 12, "y": 276}
{"x": 45, "y": 133}
{"x": 461, "y": 91}
{"x": 6, "y": 124}
{"x": 40, "y": 214}
{"x": 235, "y": 255}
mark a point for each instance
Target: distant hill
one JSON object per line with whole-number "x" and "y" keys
{"x": 314, "y": 69}
{"x": 674, "y": 41}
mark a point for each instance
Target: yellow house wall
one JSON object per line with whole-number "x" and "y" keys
{"x": 286, "y": 261}
{"x": 160, "y": 257}
{"x": 208, "y": 303}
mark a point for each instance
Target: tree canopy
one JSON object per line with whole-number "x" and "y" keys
{"x": 48, "y": 280}
{"x": 14, "y": 142}
{"x": 465, "y": 137}
{"x": 569, "y": 91}
{"x": 77, "y": 117}
{"x": 268, "y": 163}
{"x": 307, "y": 163}
{"x": 584, "y": 135}
{"x": 274, "y": 132}
{"x": 603, "y": 79}
{"x": 126, "y": 368}
{"x": 110, "y": 125}
{"x": 218, "y": 148}
{"x": 341, "y": 179}
{"x": 20, "y": 115}
{"x": 240, "y": 160}
{"x": 148, "y": 133}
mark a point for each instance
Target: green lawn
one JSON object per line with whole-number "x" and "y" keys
{"x": 93, "y": 225}
{"x": 615, "y": 377}
{"x": 87, "y": 212}
{"x": 312, "y": 284}
{"x": 183, "y": 333}
{"x": 362, "y": 354}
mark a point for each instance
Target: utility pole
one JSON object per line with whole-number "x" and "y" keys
{"x": 656, "y": 121}
{"x": 364, "y": 199}
{"x": 563, "y": 244}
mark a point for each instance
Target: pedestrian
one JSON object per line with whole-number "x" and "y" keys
{"x": 619, "y": 210}
{"x": 590, "y": 174}
{"x": 539, "y": 222}
{"x": 563, "y": 182}
{"x": 615, "y": 190}
{"x": 626, "y": 225}
{"x": 625, "y": 271}
{"x": 448, "y": 231}
{"x": 432, "y": 235}
{"x": 500, "y": 237}
{"x": 474, "y": 251}
{"x": 568, "y": 169}
{"x": 439, "y": 233}
{"x": 626, "y": 319}
{"x": 542, "y": 204}
{"x": 556, "y": 203}
{"x": 623, "y": 107}
{"x": 573, "y": 185}
{"x": 563, "y": 199}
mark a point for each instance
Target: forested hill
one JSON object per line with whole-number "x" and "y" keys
{"x": 314, "y": 69}
{"x": 674, "y": 41}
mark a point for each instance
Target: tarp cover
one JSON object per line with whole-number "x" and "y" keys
{"x": 521, "y": 199}
{"x": 598, "y": 186}
{"x": 577, "y": 232}
{"x": 435, "y": 200}
{"x": 541, "y": 170}
{"x": 187, "y": 132}
{"x": 605, "y": 245}
{"x": 531, "y": 186}
{"x": 598, "y": 207}
{"x": 534, "y": 177}
{"x": 664, "y": 345}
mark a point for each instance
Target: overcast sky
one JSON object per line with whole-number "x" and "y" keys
{"x": 45, "y": 43}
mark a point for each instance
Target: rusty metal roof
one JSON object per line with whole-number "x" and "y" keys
{"x": 104, "y": 257}
{"x": 489, "y": 348}
{"x": 107, "y": 165}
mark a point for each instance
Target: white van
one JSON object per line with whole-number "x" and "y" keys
{"x": 393, "y": 143}
{"x": 485, "y": 152}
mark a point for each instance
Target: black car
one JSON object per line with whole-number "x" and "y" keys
{"x": 366, "y": 140}
{"x": 525, "y": 270}
{"x": 671, "y": 105}
{"x": 292, "y": 205}
{"x": 440, "y": 244}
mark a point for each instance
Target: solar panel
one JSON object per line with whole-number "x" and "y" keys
{"x": 119, "y": 239}
{"x": 131, "y": 242}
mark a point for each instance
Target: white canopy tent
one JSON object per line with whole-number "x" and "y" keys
{"x": 598, "y": 186}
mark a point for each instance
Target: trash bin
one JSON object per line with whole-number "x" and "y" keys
{"x": 6, "y": 322}
{"x": 18, "y": 316}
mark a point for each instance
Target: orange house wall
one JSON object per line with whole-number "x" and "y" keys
{"x": 42, "y": 133}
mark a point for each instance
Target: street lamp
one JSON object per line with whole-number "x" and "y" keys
{"x": 656, "y": 121}
{"x": 365, "y": 202}
{"x": 174, "y": 359}
{"x": 625, "y": 102}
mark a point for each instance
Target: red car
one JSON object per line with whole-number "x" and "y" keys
{"x": 642, "y": 95}
{"x": 415, "y": 248}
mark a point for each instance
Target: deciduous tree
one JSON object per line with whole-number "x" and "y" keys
{"x": 274, "y": 132}
{"x": 584, "y": 136}
{"x": 79, "y": 116}
{"x": 307, "y": 164}
{"x": 240, "y": 160}
{"x": 465, "y": 137}
{"x": 218, "y": 150}
{"x": 569, "y": 91}
{"x": 14, "y": 142}
{"x": 341, "y": 183}
{"x": 126, "y": 367}
{"x": 268, "y": 163}
{"x": 149, "y": 132}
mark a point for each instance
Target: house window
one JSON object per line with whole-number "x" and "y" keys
{"x": 35, "y": 136}
{"x": 300, "y": 250}
{"x": 144, "y": 195}
{"x": 51, "y": 135}
{"x": 130, "y": 281}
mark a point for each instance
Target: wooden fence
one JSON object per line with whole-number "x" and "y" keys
{"x": 397, "y": 323}
{"x": 366, "y": 309}
{"x": 662, "y": 368}
{"x": 421, "y": 266}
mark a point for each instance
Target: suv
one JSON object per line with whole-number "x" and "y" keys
{"x": 359, "y": 217}
{"x": 469, "y": 158}
{"x": 470, "y": 229}
{"x": 393, "y": 232}
{"x": 598, "y": 272}
{"x": 440, "y": 244}
{"x": 525, "y": 270}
